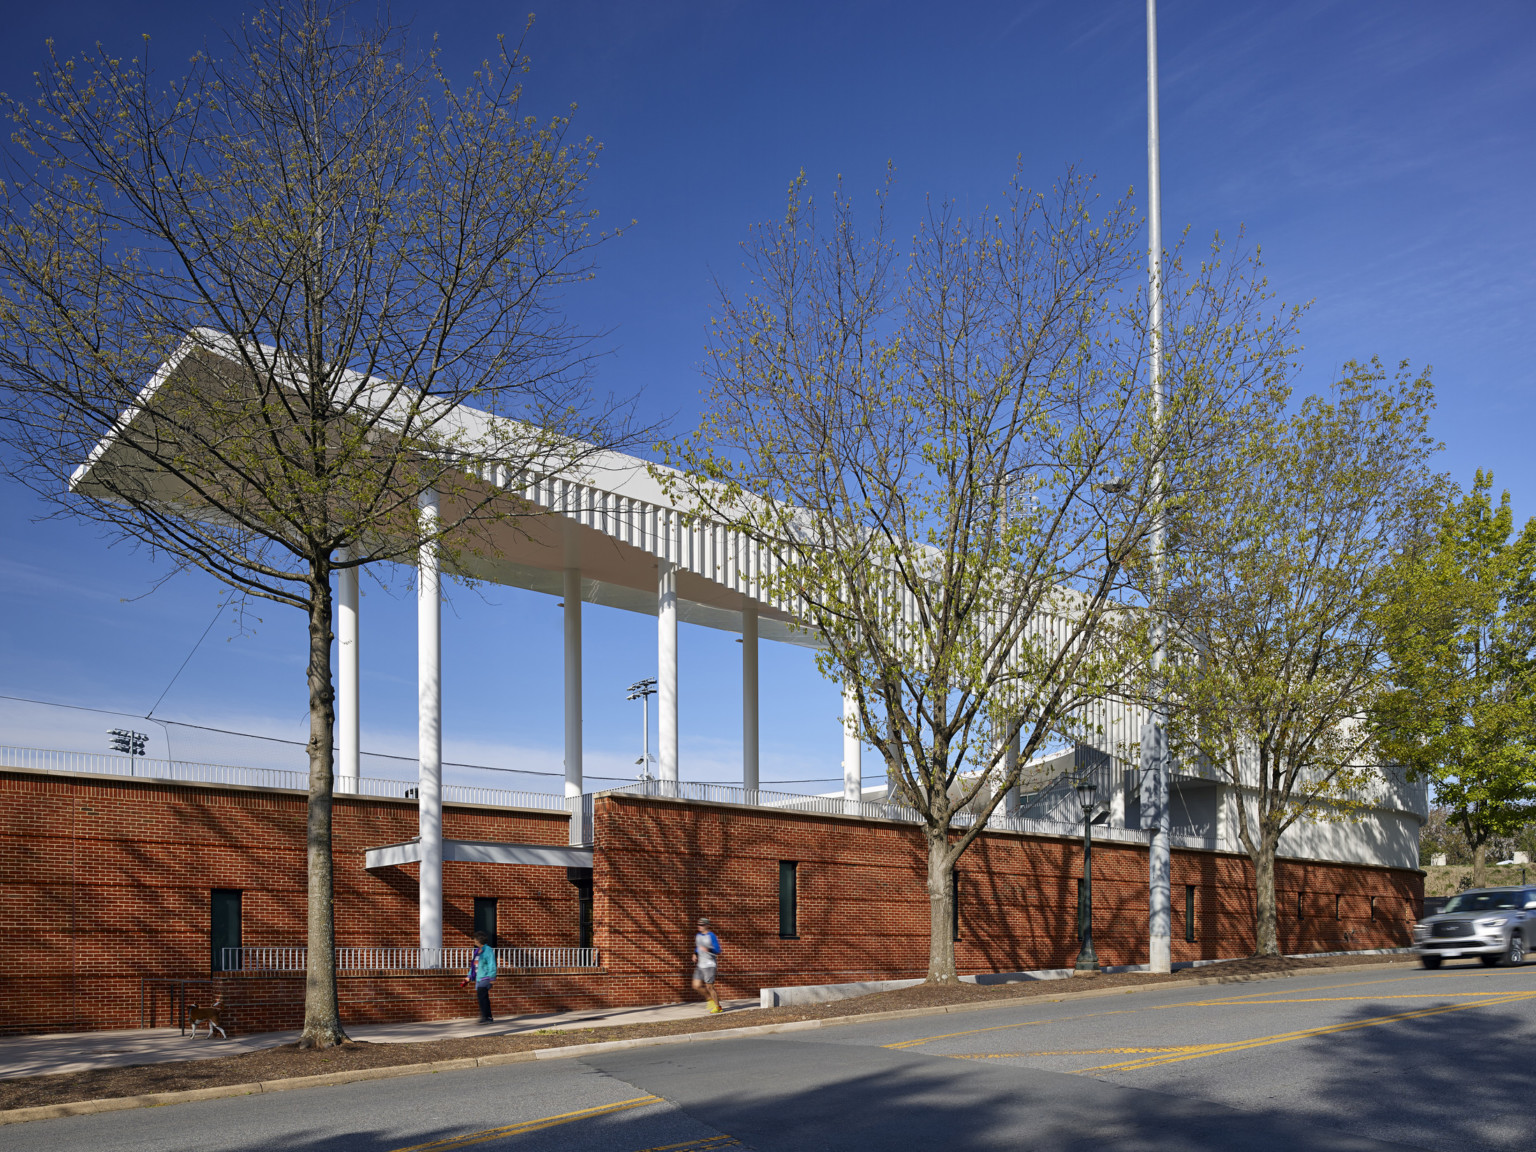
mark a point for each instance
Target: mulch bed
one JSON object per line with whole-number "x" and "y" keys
{"x": 287, "y": 1060}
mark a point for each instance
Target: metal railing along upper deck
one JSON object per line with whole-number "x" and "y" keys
{"x": 880, "y": 810}
{"x": 1406, "y": 795}
{"x": 192, "y": 772}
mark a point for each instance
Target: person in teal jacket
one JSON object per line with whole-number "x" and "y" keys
{"x": 482, "y": 970}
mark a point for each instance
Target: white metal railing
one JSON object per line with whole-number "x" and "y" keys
{"x": 191, "y": 772}
{"x": 385, "y": 959}
{"x": 182, "y": 771}
{"x": 867, "y": 810}
{"x": 762, "y": 798}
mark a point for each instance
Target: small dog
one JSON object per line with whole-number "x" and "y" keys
{"x": 208, "y": 1016}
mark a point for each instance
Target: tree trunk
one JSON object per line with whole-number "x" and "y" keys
{"x": 1267, "y": 926}
{"x": 1480, "y": 864}
{"x": 941, "y": 911}
{"x": 322, "y": 1013}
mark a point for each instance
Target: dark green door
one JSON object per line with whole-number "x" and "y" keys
{"x": 224, "y": 922}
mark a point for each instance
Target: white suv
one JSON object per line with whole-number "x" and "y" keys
{"x": 1493, "y": 924}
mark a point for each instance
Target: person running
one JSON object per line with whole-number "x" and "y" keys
{"x": 482, "y": 970}
{"x": 706, "y": 952}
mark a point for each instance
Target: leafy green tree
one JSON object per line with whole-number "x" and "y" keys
{"x": 1284, "y": 547}
{"x": 950, "y": 454}
{"x": 333, "y": 254}
{"x": 1461, "y": 629}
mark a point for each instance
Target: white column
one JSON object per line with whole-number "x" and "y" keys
{"x": 1226, "y": 820}
{"x": 1010, "y": 762}
{"x": 429, "y": 696}
{"x": 853, "y": 752}
{"x": 348, "y": 714}
{"x": 573, "y": 782}
{"x": 749, "y": 779}
{"x": 1116, "y": 795}
{"x": 666, "y": 668}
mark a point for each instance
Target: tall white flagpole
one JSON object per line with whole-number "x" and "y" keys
{"x": 1160, "y": 896}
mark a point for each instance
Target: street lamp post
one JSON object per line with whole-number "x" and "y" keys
{"x": 643, "y": 690}
{"x": 1087, "y": 963}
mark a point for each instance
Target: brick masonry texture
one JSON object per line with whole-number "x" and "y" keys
{"x": 863, "y": 909}
{"x": 105, "y": 881}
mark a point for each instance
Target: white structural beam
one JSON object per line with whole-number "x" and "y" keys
{"x": 666, "y": 668}
{"x": 481, "y": 852}
{"x": 853, "y": 752}
{"x": 429, "y": 697}
{"x": 348, "y": 705}
{"x": 749, "y": 741}
{"x": 573, "y": 777}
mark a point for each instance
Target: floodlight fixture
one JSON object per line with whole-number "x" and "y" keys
{"x": 128, "y": 741}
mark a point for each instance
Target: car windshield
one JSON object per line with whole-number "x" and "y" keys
{"x": 1482, "y": 901}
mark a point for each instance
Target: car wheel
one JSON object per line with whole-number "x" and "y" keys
{"x": 1431, "y": 962}
{"x": 1490, "y": 961}
{"x": 1515, "y": 955}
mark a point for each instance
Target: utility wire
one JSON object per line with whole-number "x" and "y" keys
{"x": 217, "y": 612}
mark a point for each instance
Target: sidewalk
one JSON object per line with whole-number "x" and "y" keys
{"x": 78, "y": 1051}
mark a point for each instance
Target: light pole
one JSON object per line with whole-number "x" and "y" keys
{"x": 1087, "y": 963}
{"x": 1154, "y": 735}
{"x": 133, "y": 743}
{"x": 643, "y": 690}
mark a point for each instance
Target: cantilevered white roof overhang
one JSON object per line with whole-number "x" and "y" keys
{"x": 611, "y": 507}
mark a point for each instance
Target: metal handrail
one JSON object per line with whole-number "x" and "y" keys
{"x": 282, "y": 958}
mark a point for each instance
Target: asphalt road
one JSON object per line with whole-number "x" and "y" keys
{"x": 1357, "y": 1060}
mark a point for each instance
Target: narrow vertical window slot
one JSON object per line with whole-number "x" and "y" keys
{"x": 789, "y": 912}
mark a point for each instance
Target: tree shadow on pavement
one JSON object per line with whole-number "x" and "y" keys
{"x": 782, "y": 1096}
{"x": 189, "y": 1126}
{"x": 1453, "y": 1081}
{"x": 1449, "y": 1081}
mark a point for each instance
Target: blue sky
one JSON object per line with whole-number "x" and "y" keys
{"x": 1380, "y": 153}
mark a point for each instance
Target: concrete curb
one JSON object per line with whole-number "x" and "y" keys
{"x": 572, "y": 1051}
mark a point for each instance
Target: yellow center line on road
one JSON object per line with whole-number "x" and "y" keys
{"x": 1303, "y": 1034}
{"x": 532, "y": 1125}
{"x": 704, "y": 1144}
{"x": 1077, "y": 1052}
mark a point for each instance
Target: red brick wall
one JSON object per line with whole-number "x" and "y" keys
{"x": 104, "y": 881}
{"x": 863, "y": 907}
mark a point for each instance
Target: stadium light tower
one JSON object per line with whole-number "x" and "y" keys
{"x": 127, "y": 741}
{"x": 643, "y": 690}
